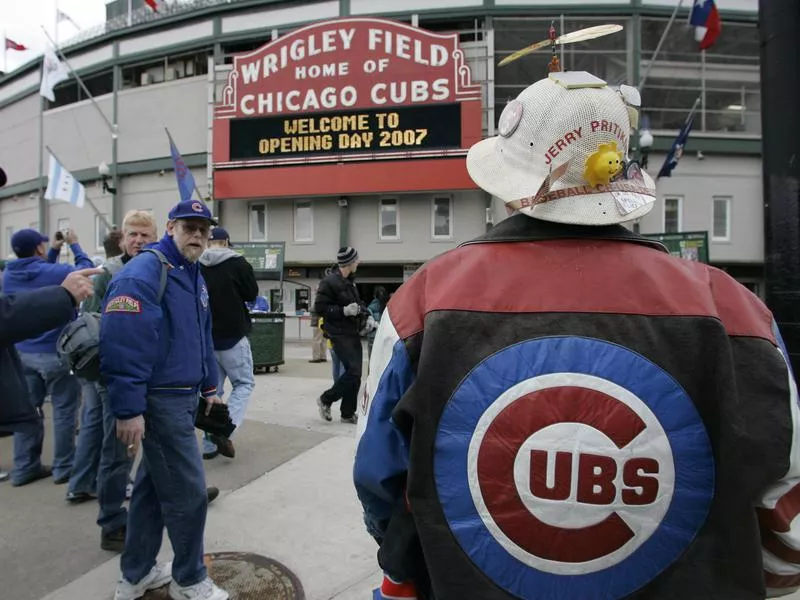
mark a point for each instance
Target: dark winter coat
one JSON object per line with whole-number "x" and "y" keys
{"x": 231, "y": 282}
{"x": 333, "y": 294}
{"x": 23, "y": 316}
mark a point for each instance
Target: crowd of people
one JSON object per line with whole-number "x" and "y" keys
{"x": 161, "y": 368}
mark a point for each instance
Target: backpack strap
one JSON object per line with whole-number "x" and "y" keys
{"x": 164, "y": 268}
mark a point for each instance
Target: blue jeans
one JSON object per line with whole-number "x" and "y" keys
{"x": 237, "y": 365}
{"x": 113, "y": 471}
{"x": 47, "y": 374}
{"x": 337, "y": 368}
{"x": 170, "y": 490}
{"x": 89, "y": 443}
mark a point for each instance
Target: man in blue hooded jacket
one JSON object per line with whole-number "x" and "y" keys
{"x": 156, "y": 359}
{"x": 45, "y": 372}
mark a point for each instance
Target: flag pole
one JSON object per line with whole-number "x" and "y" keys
{"x": 196, "y": 189}
{"x": 111, "y": 128}
{"x": 89, "y": 200}
{"x": 658, "y": 47}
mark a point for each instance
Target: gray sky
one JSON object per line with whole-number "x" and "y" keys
{"x": 21, "y": 21}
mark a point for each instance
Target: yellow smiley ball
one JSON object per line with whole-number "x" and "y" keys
{"x": 603, "y": 165}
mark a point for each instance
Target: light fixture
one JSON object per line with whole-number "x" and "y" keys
{"x": 645, "y": 139}
{"x": 105, "y": 173}
{"x": 735, "y": 107}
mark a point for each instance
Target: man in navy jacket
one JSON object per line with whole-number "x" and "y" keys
{"x": 157, "y": 359}
{"x": 45, "y": 372}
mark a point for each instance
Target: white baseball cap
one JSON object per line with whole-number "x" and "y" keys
{"x": 561, "y": 154}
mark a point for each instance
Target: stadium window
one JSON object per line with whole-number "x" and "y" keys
{"x": 258, "y": 222}
{"x": 389, "y": 219}
{"x": 672, "y": 214}
{"x": 721, "y": 219}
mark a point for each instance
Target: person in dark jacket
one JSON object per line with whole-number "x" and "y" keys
{"x": 22, "y": 316}
{"x": 344, "y": 317}
{"x": 597, "y": 419}
{"x": 231, "y": 282}
{"x": 46, "y": 373}
{"x": 157, "y": 361}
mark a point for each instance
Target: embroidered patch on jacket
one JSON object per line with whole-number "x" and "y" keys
{"x": 124, "y": 304}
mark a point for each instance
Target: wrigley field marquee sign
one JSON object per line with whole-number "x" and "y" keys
{"x": 351, "y": 89}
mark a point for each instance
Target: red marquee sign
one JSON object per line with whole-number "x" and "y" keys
{"x": 346, "y": 91}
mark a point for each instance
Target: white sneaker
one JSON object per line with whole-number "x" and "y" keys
{"x": 159, "y": 575}
{"x": 205, "y": 590}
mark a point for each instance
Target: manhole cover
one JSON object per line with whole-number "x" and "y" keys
{"x": 247, "y": 577}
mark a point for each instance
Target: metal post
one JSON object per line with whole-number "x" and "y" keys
{"x": 490, "y": 75}
{"x": 116, "y": 205}
{"x": 660, "y": 43}
{"x": 344, "y": 221}
{"x": 779, "y": 29}
{"x": 703, "y": 88}
{"x": 43, "y": 225}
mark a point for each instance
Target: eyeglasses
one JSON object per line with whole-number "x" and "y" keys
{"x": 192, "y": 227}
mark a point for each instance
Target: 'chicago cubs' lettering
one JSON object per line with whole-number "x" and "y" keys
{"x": 600, "y": 474}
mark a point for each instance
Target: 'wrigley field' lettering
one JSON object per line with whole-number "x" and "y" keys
{"x": 404, "y": 128}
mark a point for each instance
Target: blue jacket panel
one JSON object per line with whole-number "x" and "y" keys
{"x": 26, "y": 274}
{"x": 146, "y": 346}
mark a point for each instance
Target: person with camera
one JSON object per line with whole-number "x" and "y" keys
{"x": 345, "y": 318}
{"x": 45, "y": 372}
{"x": 22, "y": 316}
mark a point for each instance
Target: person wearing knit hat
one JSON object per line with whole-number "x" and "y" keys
{"x": 346, "y": 256}
{"x": 345, "y": 317}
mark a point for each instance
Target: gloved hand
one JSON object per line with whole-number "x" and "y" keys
{"x": 351, "y": 310}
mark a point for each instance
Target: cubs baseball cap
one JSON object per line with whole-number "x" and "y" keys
{"x": 25, "y": 241}
{"x": 218, "y": 234}
{"x": 191, "y": 209}
{"x": 561, "y": 154}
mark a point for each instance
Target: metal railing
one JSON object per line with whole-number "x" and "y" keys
{"x": 144, "y": 15}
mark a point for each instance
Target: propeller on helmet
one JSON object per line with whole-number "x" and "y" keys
{"x": 572, "y": 37}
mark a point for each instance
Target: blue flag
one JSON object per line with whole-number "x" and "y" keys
{"x": 676, "y": 152}
{"x": 184, "y": 176}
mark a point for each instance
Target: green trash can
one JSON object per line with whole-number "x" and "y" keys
{"x": 266, "y": 340}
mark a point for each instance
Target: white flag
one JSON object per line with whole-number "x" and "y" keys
{"x": 62, "y": 16}
{"x": 53, "y": 73}
{"x": 61, "y": 185}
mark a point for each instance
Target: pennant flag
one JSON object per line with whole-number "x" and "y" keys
{"x": 62, "y": 16}
{"x": 184, "y": 176}
{"x": 12, "y": 45}
{"x": 53, "y": 72}
{"x": 152, "y": 4}
{"x": 61, "y": 185}
{"x": 676, "y": 152}
{"x": 706, "y": 21}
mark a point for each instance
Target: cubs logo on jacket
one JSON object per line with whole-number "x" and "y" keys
{"x": 574, "y": 414}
